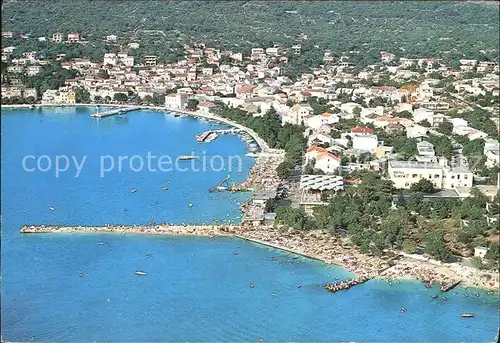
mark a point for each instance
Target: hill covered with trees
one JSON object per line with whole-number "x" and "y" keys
{"x": 450, "y": 30}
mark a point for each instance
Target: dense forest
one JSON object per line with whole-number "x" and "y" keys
{"x": 414, "y": 29}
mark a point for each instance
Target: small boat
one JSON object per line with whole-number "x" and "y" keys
{"x": 403, "y": 309}
{"x": 101, "y": 243}
{"x": 190, "y": 205}
{"x": 235, "y": 252}
{"x": 251, "y": 285}
{"x": 434, "y": 296}
{"x": 149, "y": 255}
{"x": 140, "y": 272}
{"x": 252, "y": 154}
{"x": 176, "y": 115}
{"x": 165, "y": 188}
{"x": 187, "y": 157}
{"x": 467, "y": 315}
{"x": 82, "y": 275}
{"x": 52, "y": 208}
{"x": 134, "y": 190}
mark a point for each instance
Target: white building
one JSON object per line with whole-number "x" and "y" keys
{"x": 365, "y": 143}
{"x": 426, "y": 152}
{"x": 33, "y": 70}
{"x": 323, "y": 159}
{"x": 55, "y": 96}
{"x": 421, "y": 114}
{"x": 316, "y": 121}
{"x": 27, "y": 92}
{"x": 150, "y": 61}
{"x": 298, "y": 114}
{"x": 492, "y": 153}
{"x": 111, "y": 38}
{"x": 406, "y": 173}
{"x": 176, "y": 101}
{"x": 319, "y": 138}
{"x": 416, "y": 131}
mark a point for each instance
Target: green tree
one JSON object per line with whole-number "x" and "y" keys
{"x": 423, "y": 185}
{"x": 103, "y": 73}
{"x": 410, "y": 246}
{"x": 436, "y": 246}
{"x": 417, "y": 204}
{"x": 292, "y": 217}
{"x": 82, "y": 95}
{"x": 425, "y": 123}
{"x": 120, "y": 97}
{"x": 192, "y": 104}
{"x": 493, "y": 253}
{"x": 476, "y": 262}
{"x": 285, "y": 170}
{"x": 404, "y": 114}
{"x": 446, "y": 128}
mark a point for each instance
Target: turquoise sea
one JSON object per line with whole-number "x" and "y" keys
{"x": 196, "y": 290}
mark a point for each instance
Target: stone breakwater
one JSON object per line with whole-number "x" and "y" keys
{"x": 161, "y": 229}
{"x": 317, "y": 244}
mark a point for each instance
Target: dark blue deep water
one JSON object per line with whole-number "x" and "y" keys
{"x": 196, "y": 289}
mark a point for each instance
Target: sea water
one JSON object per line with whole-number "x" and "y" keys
{"x": 196, "y": 289}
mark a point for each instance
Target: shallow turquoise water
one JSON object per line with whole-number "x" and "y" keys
{"x": 196, "y": 289}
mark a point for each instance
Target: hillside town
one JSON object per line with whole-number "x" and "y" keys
{"x": 408, "y": 120}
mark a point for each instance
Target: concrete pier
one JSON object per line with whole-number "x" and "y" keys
{"x": 114, "y": 112}
{"x": 210, "y": 135}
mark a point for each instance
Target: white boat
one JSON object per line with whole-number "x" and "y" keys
{"x": 140, "y": 272}
{"x": 187, "y": 157}
{"x": 467, "y": 315}
{"x": 252, "y": 154}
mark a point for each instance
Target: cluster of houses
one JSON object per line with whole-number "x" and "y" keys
{"x": 255, "y": 84}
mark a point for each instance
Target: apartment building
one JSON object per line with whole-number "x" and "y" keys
{"x": 176, "y": 101}
{"x": 406, "y": 173}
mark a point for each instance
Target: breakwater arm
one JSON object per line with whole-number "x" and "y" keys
{"x": 161, "y": 229}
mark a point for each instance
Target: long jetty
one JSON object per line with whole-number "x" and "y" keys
{"x": 160, "y": 229}
{"x": 114, "y": 112}
{"x": 210, "y": 135}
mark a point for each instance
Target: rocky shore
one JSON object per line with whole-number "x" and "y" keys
{"x": 316, "y": 244}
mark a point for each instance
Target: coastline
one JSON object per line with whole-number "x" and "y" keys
{"x": 318, "y": 245}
